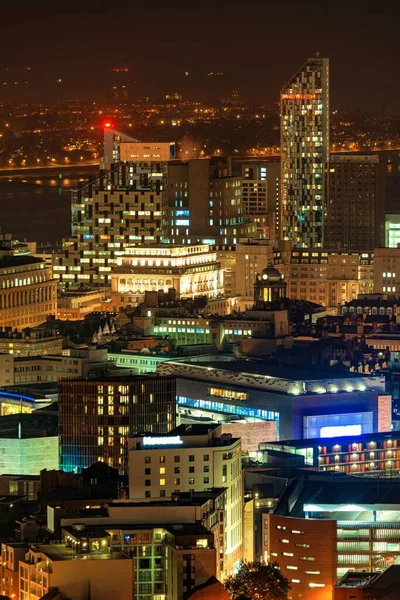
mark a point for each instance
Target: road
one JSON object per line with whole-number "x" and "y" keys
{"x": 6, "y": 172}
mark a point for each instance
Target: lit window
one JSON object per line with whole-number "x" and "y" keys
{"x": 290, "y": 568}
{"x": 162, "y": 470}
{"x": 162, "y": 482}
{"x": 316, "y": 585}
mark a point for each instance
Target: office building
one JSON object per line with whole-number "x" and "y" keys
{"x": 305, "y": 154}
{"x": 191, "y": 458}
{"x": 122, "y": 206}
{"x": 305, "y": 402}
{"x": 28, "y": 293}
{"x": 355, "y": 210}
{"x": 205, "y": 204}
{"x": 251, "y": 258}
{"x": 97, "y": 415}
{"x": 261, "y": 193}
{"x": 392, "y": 230}
{"x": 59, "y": 566}
{"x": 327, "y": 277}
{"x": 189, "y": 270}
{"x": 387, "y": 270}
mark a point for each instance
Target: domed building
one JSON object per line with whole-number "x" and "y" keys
{"x": 269, "y": 288}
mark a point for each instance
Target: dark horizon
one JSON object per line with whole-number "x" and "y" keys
{"x": 258, "y": 46}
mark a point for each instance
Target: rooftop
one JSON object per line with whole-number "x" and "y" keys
{"x": 18, "y": 261}
{"x": 57, "y": 552}
{"x": 290, "y": 372}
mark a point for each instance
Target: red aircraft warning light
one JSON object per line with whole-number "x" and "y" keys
{"x": 107, "y": 125}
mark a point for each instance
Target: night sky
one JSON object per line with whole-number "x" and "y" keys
{"x": 257, "y": 45}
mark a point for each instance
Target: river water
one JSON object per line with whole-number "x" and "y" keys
{"x": 37, "y": 207}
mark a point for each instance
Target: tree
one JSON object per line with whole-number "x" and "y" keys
{"x": 258, "y": 581}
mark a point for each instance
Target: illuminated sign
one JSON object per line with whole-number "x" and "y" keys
{"x": 340, "y": 430}
{"x": 228, "y": 394}
{"x": 299, "y": 96}
{"x": 162, "y": 441}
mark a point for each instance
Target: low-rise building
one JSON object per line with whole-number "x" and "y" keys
{"x": 106, "y": 573}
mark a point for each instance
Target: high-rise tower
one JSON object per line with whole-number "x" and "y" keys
{"x": 305, "y": 153}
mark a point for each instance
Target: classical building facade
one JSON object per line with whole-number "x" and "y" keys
{"x": 189, "y": 270}
{"x": 28, "y": 294}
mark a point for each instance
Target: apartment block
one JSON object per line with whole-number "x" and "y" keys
{"x": 191, "y": 458}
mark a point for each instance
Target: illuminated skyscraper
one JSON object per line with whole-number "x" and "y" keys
{"x": 305, "y": 153}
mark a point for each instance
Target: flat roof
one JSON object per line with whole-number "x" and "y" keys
{"x": 17, "y": 261}
{"x": 62, "y": 552}
{"x": 290, "y": 372}
{"x": 336, "y": 440}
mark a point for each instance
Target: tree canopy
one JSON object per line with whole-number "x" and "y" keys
{"x": 258, "y": 581}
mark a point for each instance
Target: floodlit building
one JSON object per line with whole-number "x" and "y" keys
{"x": 327, "y": 277}
{"x": 326, "y": 525}
{"x": 191, "y": 458}
{"x": 189, "y": 270}
{"x": 47, "y": 566}
{"x": 29, "y": 440}
{"x": 28, "y": 293}
{"x": 305, "y": 153}
{"x": 305, "y": 402}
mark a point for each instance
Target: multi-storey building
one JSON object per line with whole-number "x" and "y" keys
{"x": 59, "y": 566}
{"x": 305, "y": 402}
{"x": 205, "y": 204}
{"x": 251, "y": 258}
{"x": 323, "y": 527}
{"x": 305, "y": 557}
{"x": 189, "y": 270}
{"x": 11, "y": 554}
{"x": 387, "y": 270}
{"x": 28, "y": 293}
{"x": 97, "y": 416}
{"x": 123, "y": 206}
{"x": 207, "y": 509}
{"x": 305, "y": 153}
{"x": 168, "y": 559}
{"x": 376, "y": 454}
{"x": 355, "y": 210}
{"x": 326, "y": 277}
{"x": 192, "y": 457}
{"x": 261, "y": 192}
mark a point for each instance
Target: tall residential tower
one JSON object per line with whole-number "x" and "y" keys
{"x": 305, "y": 153}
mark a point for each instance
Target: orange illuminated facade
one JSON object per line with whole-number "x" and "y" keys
{"x": 305, "y": 550}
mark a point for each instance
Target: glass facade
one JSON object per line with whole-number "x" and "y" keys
{"x": 325, "y": 425}
{"x": 222, "y": 407}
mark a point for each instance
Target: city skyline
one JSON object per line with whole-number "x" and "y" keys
{"x": 255, "y": 49}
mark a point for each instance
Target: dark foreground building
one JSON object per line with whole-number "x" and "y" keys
{"x": 98, "y": 415}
